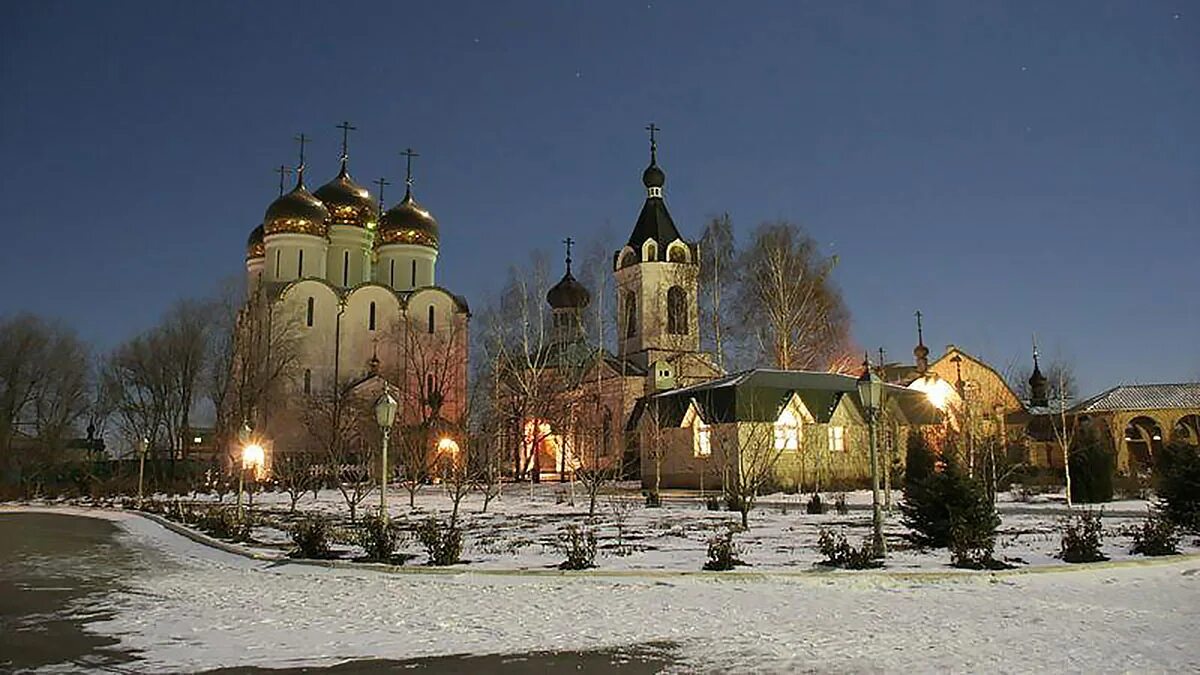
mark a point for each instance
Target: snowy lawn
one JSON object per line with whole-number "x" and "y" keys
{"x": 522, "y": 529}
{"x": 196, "y": 607}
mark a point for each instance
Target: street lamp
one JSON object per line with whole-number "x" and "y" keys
{"x": 143, "y": 447}
{"x": 244, "y": 436}
{"x": 870, "y": 392}
{"x": 385, "y": 416}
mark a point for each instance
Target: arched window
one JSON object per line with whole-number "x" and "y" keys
{"x": 392, "y": 274}
{"x": 787, "y": 430}
{"x": 308, "y": 314}
{"x": 345, "y": 268}
{"x": 627, "y": 259}
{"x": 429, "y": 388}
{"x": 413, "y": 274}
{"x": 431, "y": 319}
{"x": 677, "y": 314}
{"x": 307, "y": 381}
{"x": 371, "y": 317}
{"x": 630, "y": 314}
{"x": 606, "y": 433}
{"x": 677, "y": 254}
{"x": 278, "y": 257}
{"x": 300, "y": 265}
{"x": 701, "y": 438}
{"x": 651, "y": 250}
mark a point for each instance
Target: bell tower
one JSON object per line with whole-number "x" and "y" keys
{"x": 657, "y": 275}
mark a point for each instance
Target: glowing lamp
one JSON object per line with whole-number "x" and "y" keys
{"x": 447, "y": 445}
{"x": 253, "y": 457}
{"x": 385, "y": 410}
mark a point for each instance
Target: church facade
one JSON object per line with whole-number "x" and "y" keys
{"x": 350, "y": 290}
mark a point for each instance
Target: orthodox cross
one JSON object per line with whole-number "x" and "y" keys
{"x": 382, "y": 182}
{"x": 408, "y": 180}
{"x": 653, "y": 129}
{"x": 346, "y": 129}
{"x": 882, "y": 353}
{"x": 301, "y": 139}
{"x": 1035, "y": 354}
{"x": 569, "y": 242}
{"x": 283, "y": 171}
{"x": 920, "y": 337}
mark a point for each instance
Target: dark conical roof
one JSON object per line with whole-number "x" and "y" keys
{"x": 568, "y": 293}
{"x": 654, "y": 222}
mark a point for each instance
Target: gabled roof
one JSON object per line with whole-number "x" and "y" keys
{"x": 758, "y": 395}
{"x": 1143, "y": 397}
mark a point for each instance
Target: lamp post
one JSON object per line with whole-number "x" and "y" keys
{"x": 244, "y": 435}
{"x": 385, "y": 416}
{"x": 143, "y": 447}
{"x": 870, "y": 392}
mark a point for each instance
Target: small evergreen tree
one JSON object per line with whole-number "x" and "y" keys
{"x": 949, "y": 506}
{"x": 1091, "y": 466}
{"x": 1177, "y": 483}
{"x": 919, "y": 459}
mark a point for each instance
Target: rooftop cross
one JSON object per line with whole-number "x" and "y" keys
{"x": 283, "y": 171}
{"x": 569, "y": 242}
{"x": 346, "y": 129}
{"x": 408, "y": 179}
{"x": 382, "y": 182}
{"x": 301, "y": 139}
{"x": 920, "y": 336}
{"x": 653, "y": 129}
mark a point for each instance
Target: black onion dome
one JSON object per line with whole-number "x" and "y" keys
{"x": 407, "y": 223}
{"x": 921, "y": 351}
{"x": 1037, "y": 380}
{"x": 653, "y": 177}
{"x": 348, "y": 202}
{"x": 255, "y": 248}
{"x": 297, "y": 212}
{"x": 568, "y": 294}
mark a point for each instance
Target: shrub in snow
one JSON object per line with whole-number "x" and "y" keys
{"x": 722, "y": 552}
{"x": 946, "y": 504}
{"x": 311, "y": 536}
{"x": 1091, "y": 465}
{"x": 1131, "y": 486}
{"x": 442, "y": 541}
{"x": 815, "y": 506}
{"x": 973, "y": 535}
{"x": 733, "y": 502}
{"x": 1081, "y": 537}
{"x": 1156, "y": 535}
{"x": 712, "y": 503}
{"x": 223, "y": 523}
{"x": 839, "y": 504}
{"x": 653, "y": 500}
{"x": 839, "y": 553}
{"x": 579, "y": 545}
{"x": 1177, "y": 483}
{"x": 378, "y": 538}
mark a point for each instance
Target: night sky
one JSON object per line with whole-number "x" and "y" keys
{"x": 1006, "y": 168}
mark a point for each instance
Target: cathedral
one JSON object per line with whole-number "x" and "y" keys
{"x": 348, "y": 289}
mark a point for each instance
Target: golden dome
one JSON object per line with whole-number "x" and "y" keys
{"x": 297, "y": 212}
{"x": 407, "y": 223}
{"x": 348, "y": 202}
{"x": 254, "y": 245}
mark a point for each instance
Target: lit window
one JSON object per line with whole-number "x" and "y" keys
{"x": 701, "y": 438}
{"x": 787, "y": 431}
{"x": 197, "y": 440}
{"x": 837, "y": 439}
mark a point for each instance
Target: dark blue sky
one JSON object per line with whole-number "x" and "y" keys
{"x": 1007, "y": 168}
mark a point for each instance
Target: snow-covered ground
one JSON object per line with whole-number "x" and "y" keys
{"x": 522, "y": 529}
{"x": 205, "y": 608}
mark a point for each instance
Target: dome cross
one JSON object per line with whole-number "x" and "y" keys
{"x": 302, "y": 140}
{"x": 569, "y": 242}
{"x": 408, "y": 154}
{"x": 283, "y": 171}
{"x": 653, "y": 129}
{"x": 382, "y": 183}
{"x": 346, "y": 129}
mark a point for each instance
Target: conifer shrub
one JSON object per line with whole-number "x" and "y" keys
{"x": 579, "y": 545}
{"x": 223, "y": 523}
{"x": 712, "y": 503}
{"x": 442, "y": 541}
{"x": 1177, "y": 484}
{"x": 722, "y": 552}
{"x": 653, "y": 500}
{"x": 946, "y": 506}
{"x": 839, "y": 553}
{"x": 378, "y": 538}
{"x": 1081, "y": 537}
{"x": 814, "y": 506}
{"x": 311, "y": 535}
{"x": 919, "y": 459}
{"x": 1092, "y": 467}
{"x": 1155, "y": 535}
{"x": 839, "y": 504}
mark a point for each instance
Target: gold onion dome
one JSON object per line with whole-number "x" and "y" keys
{"x": 348, "y": 202}
{"x": 297, "y": 212}
{"x": 407, "y": 223}
{"x": 254, "y": 244}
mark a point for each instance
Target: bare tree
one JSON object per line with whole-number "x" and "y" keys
{"x": 717, "y": 280}
{"x": 788, "y": 304}
{"x": 751, "y": 464}
{"x": 335, "y": 425}
{"x": 296, "y": 473}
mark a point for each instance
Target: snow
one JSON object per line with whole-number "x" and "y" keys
{"x": 208, "y": 609}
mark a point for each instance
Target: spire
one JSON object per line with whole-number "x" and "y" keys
{"x": 346, "y": 129}
{"x": 283, "y": 171}
{"x": 569, "y": 242}
{"x": 408, "y": 178}
{"x": 921, "y": 352}
{"x": 1038, "y": 394}
{"x": 301, "y": 139}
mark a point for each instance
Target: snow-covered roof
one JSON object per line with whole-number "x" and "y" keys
{"x": 1144, "y": 397}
